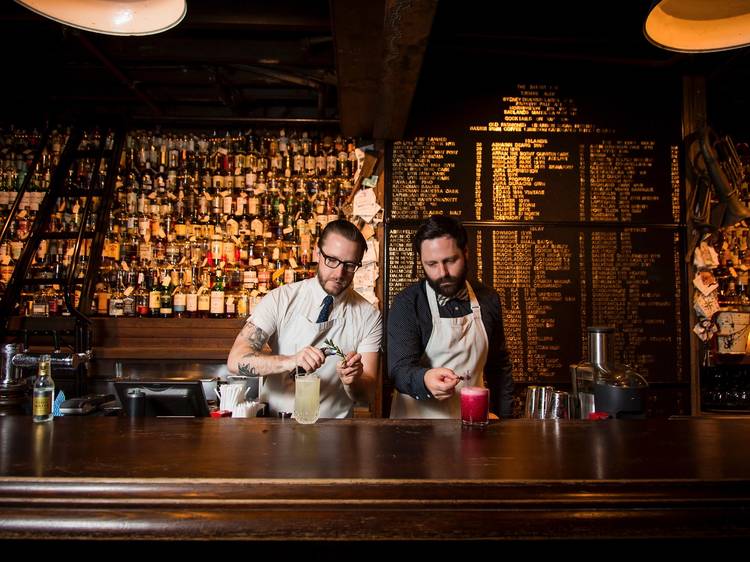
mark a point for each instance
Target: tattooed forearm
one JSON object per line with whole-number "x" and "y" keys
{"x": 246, "y": 370}
{"x": 252, "y": 356}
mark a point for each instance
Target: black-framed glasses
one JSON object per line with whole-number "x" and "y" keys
{"x": 333, "y": 263}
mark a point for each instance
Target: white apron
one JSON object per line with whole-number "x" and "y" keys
{"x": 298, "y": 331}
{"x": 459, "y": 344}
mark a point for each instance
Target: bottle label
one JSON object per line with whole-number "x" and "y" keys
{"x": 154, "y": 299}
{"x": 217, "y": 302}
{"x": 42, "y": 403}
{"x": 191, "y": 302}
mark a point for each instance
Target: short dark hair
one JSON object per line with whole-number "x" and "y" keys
{"x": 438, "y": 226}
{"x": 344, "y": 228}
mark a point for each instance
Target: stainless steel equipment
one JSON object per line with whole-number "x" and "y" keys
{"x": 601, "y": 385}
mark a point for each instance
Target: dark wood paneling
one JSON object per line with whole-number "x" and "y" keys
{"x": 164, "y": 338}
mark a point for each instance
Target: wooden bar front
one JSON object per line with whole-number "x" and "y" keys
{"x": 243, "y": 479}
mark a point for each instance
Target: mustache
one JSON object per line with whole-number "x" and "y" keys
{"x": 448, "y": 279}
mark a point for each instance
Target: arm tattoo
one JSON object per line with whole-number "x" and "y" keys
{"x": 244, "y": 371}
{"x": 256, "y": 337}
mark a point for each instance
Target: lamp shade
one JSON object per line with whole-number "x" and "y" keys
{"x": 699, "y": 26}
{"x": 112, "y": 17}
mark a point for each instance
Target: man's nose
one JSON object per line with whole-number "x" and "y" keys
{"x": 443, "y": 269}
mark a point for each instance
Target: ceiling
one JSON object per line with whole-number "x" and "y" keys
{"x": 352, "y": 65}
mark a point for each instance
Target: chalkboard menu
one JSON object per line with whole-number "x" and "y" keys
{"x": 572, "y": 198}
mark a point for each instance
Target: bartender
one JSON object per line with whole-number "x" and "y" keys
{"x": 290, "y": 324}
{"x": 445, "y": 332}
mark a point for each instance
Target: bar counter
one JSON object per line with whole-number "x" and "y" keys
{"x": 372, "y": 480}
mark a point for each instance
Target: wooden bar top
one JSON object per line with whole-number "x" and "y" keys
{"x": 263, "y": 479}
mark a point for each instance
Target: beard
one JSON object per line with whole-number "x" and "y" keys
{"x": 449, "y": 285}
{"x": 333, "y": 287}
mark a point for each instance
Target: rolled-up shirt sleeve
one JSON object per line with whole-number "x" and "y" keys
{"x": 405, "y": 347}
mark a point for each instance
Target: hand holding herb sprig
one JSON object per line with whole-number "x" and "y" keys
{"x": 330, "y": 346}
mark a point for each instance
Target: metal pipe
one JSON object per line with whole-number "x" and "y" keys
{"x": 64, "y": 361}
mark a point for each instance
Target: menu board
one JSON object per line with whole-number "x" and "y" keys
{"x": 549, "y": 167}
{"x": 574, "y": 216}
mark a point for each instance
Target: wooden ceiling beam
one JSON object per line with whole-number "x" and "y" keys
{"x": 358, "y": 40}
{"x": 406, "y": 32}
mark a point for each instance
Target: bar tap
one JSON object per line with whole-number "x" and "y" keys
{"x": 64, "y": 361}
{"x": 13, "y": 390}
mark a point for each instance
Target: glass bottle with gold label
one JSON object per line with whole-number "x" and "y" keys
{"x": 44, "y": 391}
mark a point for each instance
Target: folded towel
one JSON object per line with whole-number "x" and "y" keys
{"x": 59, "y": 399}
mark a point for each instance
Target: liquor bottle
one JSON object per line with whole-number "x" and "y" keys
{"x": 243, "y": 302}
{"x": 217, "y": 295}
{"x": 179, "y": 298}
{"x": 230, "y": 305}
{"x": 129, "y": 294}
{"x": 55, "y": 300}
{"x": 116, "y": 299}
{"x": 40, "y": 304}
{"x": 191, "y": 299}
{"x": 204, "y": 296}
{"x": 154, "y": 295}
{"x": 165, "y": 296}
{"x": 102, "y": 298}
{"x": 141, "y": 296}
{"x": 44, "y": 391}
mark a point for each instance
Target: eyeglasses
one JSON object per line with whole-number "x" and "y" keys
{"x": 333, "y": 263}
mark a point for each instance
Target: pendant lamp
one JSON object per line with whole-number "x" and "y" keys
{"x": 112, "y": 17}
{"x": 698, "y": 26}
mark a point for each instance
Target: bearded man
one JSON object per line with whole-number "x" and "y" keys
{"x": 445, "y": 331}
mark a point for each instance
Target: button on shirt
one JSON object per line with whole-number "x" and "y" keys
{"x": 409, "y": 329}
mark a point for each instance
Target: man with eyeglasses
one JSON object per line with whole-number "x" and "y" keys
{"x": 290, "y": 324}
{"x": 446, "y": 331}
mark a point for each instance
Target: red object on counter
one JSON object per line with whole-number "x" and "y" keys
{"x": 599, "y": 416}
{"x": 221, "y": 414}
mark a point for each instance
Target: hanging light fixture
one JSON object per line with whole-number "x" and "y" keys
{"x": 699, "y": 26}
{"x": 112, "y": 17}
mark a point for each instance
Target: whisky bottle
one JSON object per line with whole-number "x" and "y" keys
{"x": 179, "y": 298}
{"x": 165, "y": 296}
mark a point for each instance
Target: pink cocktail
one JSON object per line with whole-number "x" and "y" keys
{"x": 475, "y": 404}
